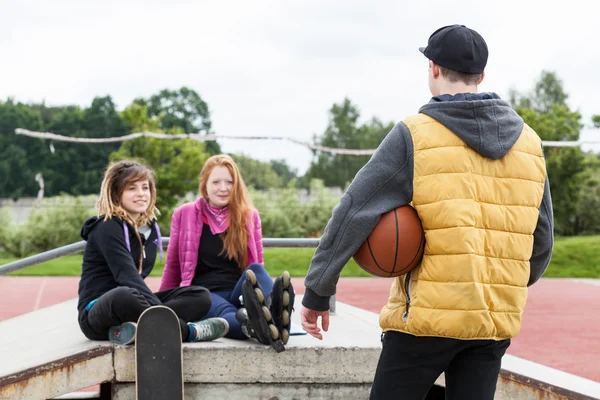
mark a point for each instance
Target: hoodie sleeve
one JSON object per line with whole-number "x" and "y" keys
{"x": 543, "y": 238}
{"x": 111, "y": 243}
{"x": 171, "y": 277}
{"x": 384, "y": 183}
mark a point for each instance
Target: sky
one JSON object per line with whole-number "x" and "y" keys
{"x": 275, "y": 68}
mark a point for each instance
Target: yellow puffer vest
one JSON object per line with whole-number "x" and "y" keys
{"x": 479, "y": 216}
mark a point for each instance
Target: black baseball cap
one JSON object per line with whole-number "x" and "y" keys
{"x": 458, "y": 48}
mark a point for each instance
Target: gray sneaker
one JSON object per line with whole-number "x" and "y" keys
{"x": 209, "y": 329}
{"x": 122, "y": 334}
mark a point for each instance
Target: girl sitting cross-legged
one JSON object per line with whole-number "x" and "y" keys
{"x": 216, "y": 243}
{"x": 121, "y": 248}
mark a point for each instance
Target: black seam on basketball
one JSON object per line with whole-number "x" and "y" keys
{"x": 397, "y": 239}
{"x": 418, "y": 251}
{"x": 373, "y": 256}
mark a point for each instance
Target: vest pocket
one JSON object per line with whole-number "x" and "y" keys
{"x": 407, "y": 287}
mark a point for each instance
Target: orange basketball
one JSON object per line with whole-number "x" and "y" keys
{"x": 395, "y": 246}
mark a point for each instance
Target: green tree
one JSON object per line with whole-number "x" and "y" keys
{"x": 546, "y": 111}
{"x": 100, "y": 120}
{"x": 257, "y": 174}
{"x": 284, "y": 171}
{"x": 291, "y": 212}
{"x": 548, "y": 93}
{"x": 587, "y": 216}
{"x": 65, "y": 165}
{"x": 183, "y": 109}
{"x": 596, "y": 120}
{"x": 343, "y": 131}
{"x": 177, "y": 163}
{"x": 77, "y": 168}
{"x": 20, "y": 156}
{"x": 48, "y": 113}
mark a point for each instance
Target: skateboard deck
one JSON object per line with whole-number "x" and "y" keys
{"x": 158, "y": 355}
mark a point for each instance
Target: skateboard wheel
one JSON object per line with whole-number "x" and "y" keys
{"x": 259, "y": 294}
{"x": 285, "y": 317}
{"x": 285, "y": 336}
{"x": 267, "y": 313}
{"x": 251, "y": 277}
{"x": 286, "y": 298}
{"x": 274, "y": 332}
{"x": 286, "y": 279}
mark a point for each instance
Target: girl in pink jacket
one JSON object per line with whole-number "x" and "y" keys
{"x": 216, "y": 243}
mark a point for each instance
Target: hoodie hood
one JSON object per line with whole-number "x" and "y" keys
{"x": 484, "y": 121}
{"x": 92, "y": 222}
{"x": 89, "y": 225}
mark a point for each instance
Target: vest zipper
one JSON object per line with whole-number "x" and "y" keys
{"x": 407, "y": 291}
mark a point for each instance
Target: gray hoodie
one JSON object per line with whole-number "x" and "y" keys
{"x": 485, "y": 122}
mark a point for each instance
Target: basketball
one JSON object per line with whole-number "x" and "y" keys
{"x": 395, "y": 246}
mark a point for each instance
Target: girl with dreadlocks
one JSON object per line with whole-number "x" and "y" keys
{"x": 121, "y": 248}
{"x": 216, "y": 242}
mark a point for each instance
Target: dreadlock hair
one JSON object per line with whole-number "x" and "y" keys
{"x": 117, "y": 177}
{"x": 236, "y": 237}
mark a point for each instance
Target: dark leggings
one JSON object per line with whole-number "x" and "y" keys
{"x": 124, "y": 304}
{"x": 225, "y": 304}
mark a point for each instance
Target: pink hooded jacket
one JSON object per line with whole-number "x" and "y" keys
{"x": 182, "y": 253}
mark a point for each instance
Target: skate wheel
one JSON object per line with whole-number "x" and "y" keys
{"x": 267, "y": 313}
{"x": 285, "y": 277}
{"x": 260, "y": 295}
{"x": 251, "y": 276}
{"x": 285, "y": 317}
{"x": 285, "y": 298}
{"x": 285, "y": 336}
{"x": 274, "y": 332}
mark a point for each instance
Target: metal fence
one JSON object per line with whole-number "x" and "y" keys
{"x": 79, "y": 246}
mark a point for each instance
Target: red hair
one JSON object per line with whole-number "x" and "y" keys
{"x": 236, "y": 237}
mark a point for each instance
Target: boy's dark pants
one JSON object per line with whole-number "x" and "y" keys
{"x": 409, "y": 365}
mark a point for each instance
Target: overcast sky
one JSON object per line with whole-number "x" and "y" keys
{"x": 275, "y": 68}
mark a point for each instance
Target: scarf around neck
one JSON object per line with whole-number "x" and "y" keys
{"x": 216, "y": 218}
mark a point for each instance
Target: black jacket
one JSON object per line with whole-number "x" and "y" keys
{"x": 108, "y": 263}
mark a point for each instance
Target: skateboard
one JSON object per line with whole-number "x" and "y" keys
{"x": 158, "y": 355}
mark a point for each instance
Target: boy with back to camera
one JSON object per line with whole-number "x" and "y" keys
{"x": 476, "y": 174}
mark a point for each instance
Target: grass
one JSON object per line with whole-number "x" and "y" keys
{"x": 295, "y": 260}
{"x": 576, "y": 257}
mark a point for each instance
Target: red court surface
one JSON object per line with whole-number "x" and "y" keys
{"x": 561, "y": 323}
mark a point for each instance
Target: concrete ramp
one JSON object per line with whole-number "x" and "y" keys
{"x": 43, "y": 355}
{"x": 339, "y": 367}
